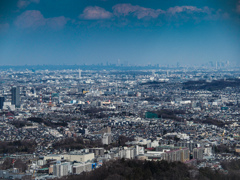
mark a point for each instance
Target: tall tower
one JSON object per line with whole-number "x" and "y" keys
{"x": 50, "y": 99}
{"x": 41, "y": 98}
{"x": 59, "y": 99}
{"x": 79, "y": 73}
{"x": 15, "y": 96}
{"x": 2, "y": 99}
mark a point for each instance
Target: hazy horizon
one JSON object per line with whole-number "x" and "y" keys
{"x": 132, "y": 32}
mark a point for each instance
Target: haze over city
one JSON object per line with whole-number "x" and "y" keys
{"x": 120, "y": 89}
{"x": 188, "y": 32}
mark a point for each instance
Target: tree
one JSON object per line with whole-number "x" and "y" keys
{"x": 7, "y": 164}
{"x": 20, "y": 165}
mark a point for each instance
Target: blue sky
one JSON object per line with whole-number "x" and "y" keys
{"x": 134, "y": 31}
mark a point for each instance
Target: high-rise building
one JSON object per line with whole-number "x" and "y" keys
{"x": 2, "y": 99}
{"x": 79, "y": 74}
{"x": 61, "y": 169}
{"x": 181, "y": 154}
{"x": 107, "y": 138}
{"x": 16, "y": 96}
{"x": 198, "y": 153}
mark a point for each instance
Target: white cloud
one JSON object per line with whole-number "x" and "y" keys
{"x": 180, "y": 9}
{"x": 95, "y": 13}
{"x": 24, "y": 3}
{"x": 35, "y": 19}
{"x": 138, "y": 11}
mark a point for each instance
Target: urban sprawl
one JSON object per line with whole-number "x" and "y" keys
{"x": 55, "y": 123}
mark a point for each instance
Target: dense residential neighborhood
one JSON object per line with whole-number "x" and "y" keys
{"x": 56, "y": 123}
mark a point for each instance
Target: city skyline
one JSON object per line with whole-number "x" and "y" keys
{"x": 187, "y": 32}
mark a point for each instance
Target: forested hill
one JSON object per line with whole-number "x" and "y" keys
{"x": 211, "y": 86}
{"x": 152, "y": 170}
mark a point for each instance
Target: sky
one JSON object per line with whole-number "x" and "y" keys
{"x": 135, "y": 32}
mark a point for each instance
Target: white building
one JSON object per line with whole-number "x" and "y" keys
{"x": 78, "y": 168}
{"x": 153, "y": 144}
{"x": 107, "y": 138}
{"x": 62, "y": 169}
{"x": 8, "y": 106}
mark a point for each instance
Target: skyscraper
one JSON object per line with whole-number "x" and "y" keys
{"x": 2, "y": 99}
{"x": 16, "y": 96}
{"x": 79, "y": 73}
